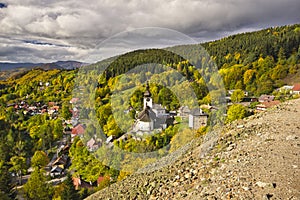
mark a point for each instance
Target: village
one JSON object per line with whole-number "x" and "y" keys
{"x": 153, "y": 118}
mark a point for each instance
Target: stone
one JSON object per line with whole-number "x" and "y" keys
{"x": 246, "y": 188}
{"x": 291, "y": 137}
{"x": 149, "y": 191}
{"x": 263, "y": 184}
{"x": 187, "y": 175}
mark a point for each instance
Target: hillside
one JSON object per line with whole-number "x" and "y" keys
{"x": 38, "y": 111}
{"x": 8, "y": 70}
{"x": 255, "y": 158}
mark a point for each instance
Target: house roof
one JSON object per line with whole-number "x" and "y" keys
{"x": 74, "y": 100}
{"x": 265, "y": 97}
{"x": 184, "y": 109}
{"x": 51, "y": 103}
{"x": 57, "y": 168}
{"x": 102, "y": 178}
{"x": 77, "y": 182}
{"x": 146, "y": 115}
{"x": 78, "y": 130}
{"x": 90, "y": 143}
{"x": 296, "y": 87}
{"x": 54, "y": 108}
{"x": 60, "y": 160}
{"x": 157, "y": 107}
{"x": 268, "y": 104}
{"x": 198, "y": 112}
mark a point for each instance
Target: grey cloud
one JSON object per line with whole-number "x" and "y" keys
{"x": 82, "y": 25}
{"x": 3, "y": 5}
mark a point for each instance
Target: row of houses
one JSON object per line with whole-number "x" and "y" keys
{"x": 36, "y": 108}
{"x": 268, "y": 101}
{"x": 292, "y": 89}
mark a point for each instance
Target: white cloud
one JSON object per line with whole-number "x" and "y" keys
{"x": 82, "y": 24}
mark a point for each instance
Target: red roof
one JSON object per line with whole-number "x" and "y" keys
{"x": 296, "y": 87}
{"x": 55, "y": 108}
{"x": 51, "y": 103}
{"x": 102, "y": 178}
{"x": 268, "y": 104}
{"x": 74, "y": 100}
{"x": 78, "y": 130}
{"x": 78, "y": 183}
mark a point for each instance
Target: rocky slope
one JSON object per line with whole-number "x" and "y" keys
{"x": 255, "y": 158}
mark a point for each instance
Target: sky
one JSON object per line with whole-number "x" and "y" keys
{"x": 51, "y": 30}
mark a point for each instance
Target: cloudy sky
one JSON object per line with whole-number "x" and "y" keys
{"x": 50, "y": 30}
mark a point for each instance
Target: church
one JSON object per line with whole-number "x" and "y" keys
{"x": 152, "y": 117}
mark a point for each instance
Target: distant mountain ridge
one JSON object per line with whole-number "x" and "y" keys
{"x": 54, "y": 65}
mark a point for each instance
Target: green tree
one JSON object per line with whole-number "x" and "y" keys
{"x": 39, "y": 160}
{"x": 281, "y": 55}
{"x": 46, "y": 135}
{"x": 85, "y": 164}
{"x": 6, "y": 186}
{"x": 37, "y": 187}
{"x": 57, "y": 129}
{"x": 249, "y": 76}
{"x": 18, "y": 166}
{"x": 66, "y": 190}
{"x": 236, "y": 111}
{"x": 237, "y": 96}
{"x": 4, "y": 196}
{"x": 69, "y": 192}
{"x": 65, "y": 111}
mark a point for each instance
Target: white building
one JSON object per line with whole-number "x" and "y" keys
{"x": 153, "y": 116}
{"x": 197, "y": 119}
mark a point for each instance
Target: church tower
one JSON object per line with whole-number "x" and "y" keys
{"x": 147, "y": 97}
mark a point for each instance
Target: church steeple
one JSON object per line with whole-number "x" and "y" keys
{"x": 147, "y": 97}
{"x": 147, "y": 92}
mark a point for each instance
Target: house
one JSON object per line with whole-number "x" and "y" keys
{"x": 102, "y": 179}
{"x": 266, "y": 98}
{"x": 62, "y": 160}
{"x": 78, "y": 183}
{"x": 296, "y": 89}
{"x": 78, "y": 130}
{"x": 197, "y": 118}
{"x": 285, "y": 88}
{"x": 74, "y": 100}
{"x": 110, "y": 139}
{"x": 51, "y": 103}
{"x": 93, "y": 145}
{"x": 265, "y": 105}
{"x": 57, "y": 170}
{"x": 58, "y": 165}
{"x": 158, "y": 110}
{"x": 209, "y": 107}
{"x": 230, "y": 92}
{"x": 184, "y": 111}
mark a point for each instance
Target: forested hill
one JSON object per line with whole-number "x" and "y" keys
{"x": 257, "y": 62}
{"x": 247, "y": 47}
